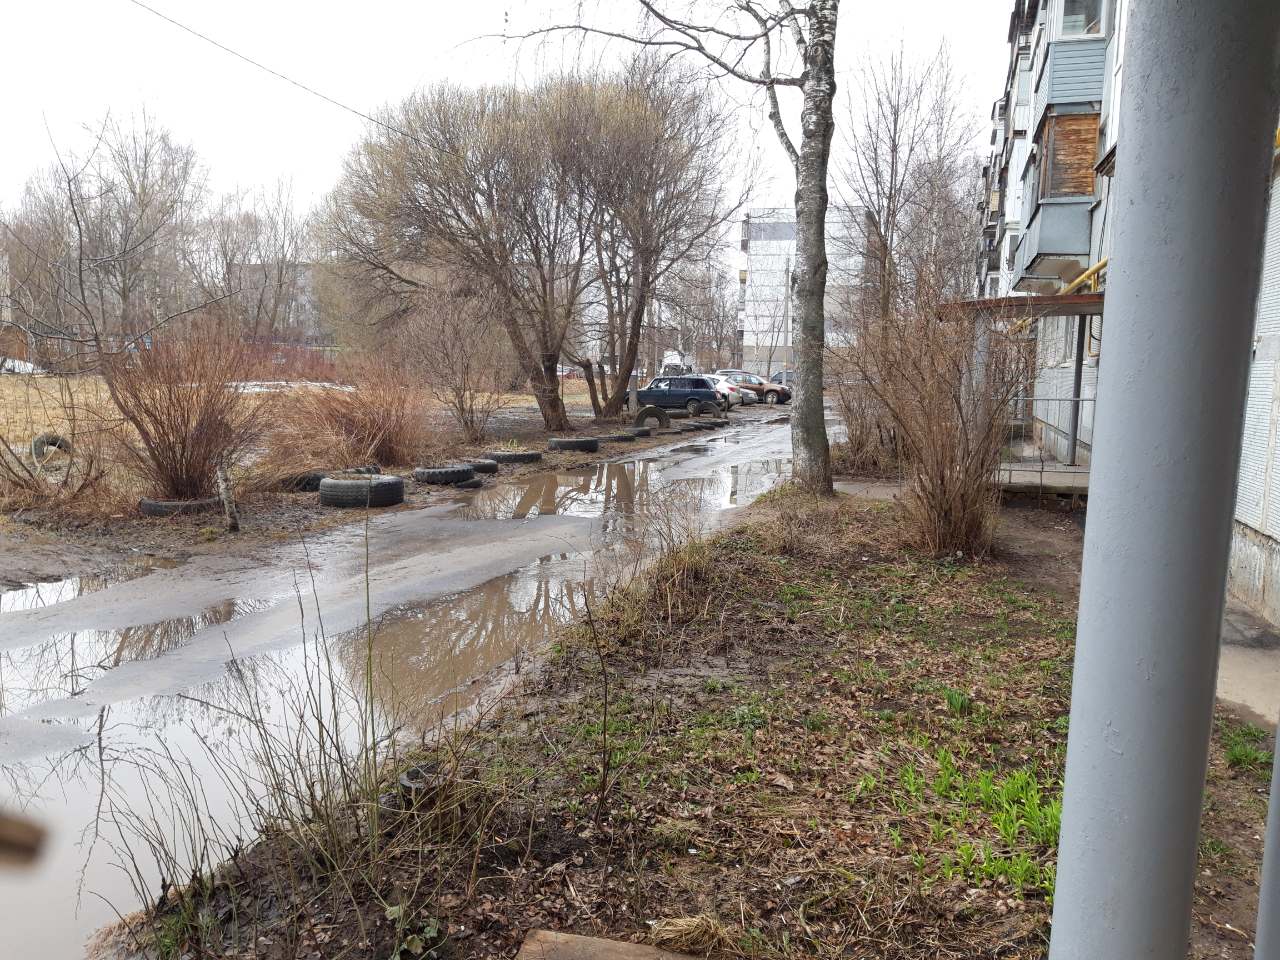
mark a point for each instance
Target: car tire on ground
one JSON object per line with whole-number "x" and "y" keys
{"x": 376, "y": 490}
{"x": 41, "y": 444}
{"x": 475, "y": 483}
{"x": 581, "y": 444}
{"x": 708, "y": 409}
{"x": 177, "y": 508}
{"x": 618, "y": 437}
{"x": 514, "y": 456}
{"x": 640, "y": 431}
{"x": 652, "y": 413}
{"x": 694, "y": 407}
{"x": 450, "y": 473}
{"x": 678, "y": 414}
{"x": 484, "y": 466}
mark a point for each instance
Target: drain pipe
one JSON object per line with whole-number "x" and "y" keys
{"x": 1200, "y": 98}
{"x": 1077, "y": 381}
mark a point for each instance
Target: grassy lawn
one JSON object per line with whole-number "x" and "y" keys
{"x": 798, "y": 740}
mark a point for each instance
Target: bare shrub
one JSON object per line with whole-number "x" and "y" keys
{"x": 463, "y": 353}
{"x": 871, "y": 445}
{"x": 946, "y": 378}
{"x": 377, "y": 417}
{"x": 182, "y": 410}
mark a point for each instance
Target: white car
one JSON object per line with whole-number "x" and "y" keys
{"x": 730, "y": 394}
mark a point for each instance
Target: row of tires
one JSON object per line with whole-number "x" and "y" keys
{"x": 367, "y": 486}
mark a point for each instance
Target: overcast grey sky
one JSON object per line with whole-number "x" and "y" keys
{"x": 66, "y": 63}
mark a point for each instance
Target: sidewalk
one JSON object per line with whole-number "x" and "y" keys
{"x": 1249, "y": 667}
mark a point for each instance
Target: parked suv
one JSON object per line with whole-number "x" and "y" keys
{"x": 764, "y": 389}
{"x": 675, "y": 392}
{"x": 786, "y": 378}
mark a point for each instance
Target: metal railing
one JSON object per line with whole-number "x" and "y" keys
{"x": 1048, "y": 442}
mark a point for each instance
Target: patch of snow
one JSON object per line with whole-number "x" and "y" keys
{"x": 278, "y": 386}
{"x": 9, "y": 365}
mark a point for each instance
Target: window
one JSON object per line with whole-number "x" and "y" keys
{"x": 771, "y": 230}
{"x": 1081, "y": 17}
{"x": 660, "y": 385}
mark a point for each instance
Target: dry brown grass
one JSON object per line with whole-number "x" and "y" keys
{"x": 380, "y": 416}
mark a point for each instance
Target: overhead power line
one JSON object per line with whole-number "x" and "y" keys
{"x": 287, "y": 79}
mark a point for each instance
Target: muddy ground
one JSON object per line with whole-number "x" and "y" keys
{"x": 157, "y": 646}
{"x": 45, "y": 544}
{"x": 802, "y": 739}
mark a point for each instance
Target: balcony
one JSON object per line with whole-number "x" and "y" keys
{"x": 1072, "y": 71}
{"x": 1055, "y": 245}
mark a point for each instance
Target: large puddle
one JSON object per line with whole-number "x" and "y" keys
{"x": 107, "y": 682}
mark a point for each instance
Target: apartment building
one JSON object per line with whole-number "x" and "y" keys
{"x": 1047, "y": 224}
{"x": 767, "y": 257}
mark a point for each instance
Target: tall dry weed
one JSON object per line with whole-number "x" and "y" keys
{"x": 378, "y": 416}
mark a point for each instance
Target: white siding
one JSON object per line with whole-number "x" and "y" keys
{"x": 1251, "y": 489}
{"x": 1257, "y": 500}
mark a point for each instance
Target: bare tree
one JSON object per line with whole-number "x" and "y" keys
{"x": 94, "y": 245}
{"x": 699, "y": 299}
{"x": 908, "y": 172}
{"x": 246, "y": 253}
{"x": 451, "y": 337}
{"x": 491, "y": 183}
{"x": 658, "y": 172}
{"x": 727, "y": 35}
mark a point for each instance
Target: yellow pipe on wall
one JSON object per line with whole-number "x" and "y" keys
{"x": 1089, "y": 276}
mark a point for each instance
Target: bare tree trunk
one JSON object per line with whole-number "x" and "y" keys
{"x": 228, "y": 498}
{"x": 589, "y": 375}
{"x": 544, "y": 379}
{"x": 810, "y": 452}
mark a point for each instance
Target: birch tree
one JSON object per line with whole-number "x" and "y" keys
{"x": 751, "y": 41}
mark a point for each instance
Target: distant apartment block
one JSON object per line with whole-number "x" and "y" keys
{"x": 765, "y": 309}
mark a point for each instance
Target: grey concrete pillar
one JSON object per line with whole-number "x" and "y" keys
{"x": 1197, "y": 118}
{"x": 1267, "y": 940}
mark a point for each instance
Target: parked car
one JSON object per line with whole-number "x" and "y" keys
{"x": 748, "y": 396}
{"x": 730, "y": 394}
{"x": 672, "y": 393}
{"x": 767, "y": 391}
{"x": 786, "y": 378}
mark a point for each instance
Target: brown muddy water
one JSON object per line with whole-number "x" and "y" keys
{"x": 107, "y": 680}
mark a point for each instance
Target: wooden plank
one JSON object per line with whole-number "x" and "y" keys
{"x": 549, "y": 945}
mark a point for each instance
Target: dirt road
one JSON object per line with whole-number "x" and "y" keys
{"x": 99, "y": 672}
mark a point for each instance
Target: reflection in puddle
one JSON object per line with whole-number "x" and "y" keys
{"x": 65, "y": 664}
{"x": 425, "y": 657}
{"x": 34, "y": 596}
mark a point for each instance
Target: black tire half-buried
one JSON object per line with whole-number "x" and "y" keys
{"x": 368, "y": 491}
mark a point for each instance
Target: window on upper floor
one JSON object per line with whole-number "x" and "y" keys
{"x": 1081, "y": 17}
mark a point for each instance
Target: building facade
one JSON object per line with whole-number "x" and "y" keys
{"x": 767, "y": 255}
{"x": 1047, "y": 222}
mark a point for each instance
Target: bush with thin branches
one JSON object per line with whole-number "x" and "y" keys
{"x": 182, "y": 409}
{"x": 452, "y": 337}
{"x": 946, "y": 378}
